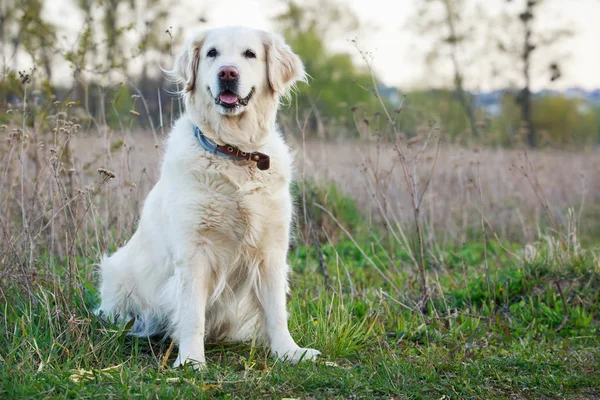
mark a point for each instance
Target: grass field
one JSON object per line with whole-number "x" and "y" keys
{"x": 520, "y": 340}
{"x": 510, "y": 309}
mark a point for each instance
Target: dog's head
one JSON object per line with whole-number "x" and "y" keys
{"x": 233, "y": 78}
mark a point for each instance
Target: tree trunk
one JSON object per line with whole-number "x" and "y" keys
{"x": 525, "y": 95}
{"x": 463, "y": 97}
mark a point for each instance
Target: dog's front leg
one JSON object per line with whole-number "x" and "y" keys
{"x": 190, "y": 311}
{"x": 273, "y": 288}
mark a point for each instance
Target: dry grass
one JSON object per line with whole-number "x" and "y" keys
{"x": 50, "y": 181}
{"x": 363, "y": 169}
{"x": 451, "y": 205}
{"x": 370, "y": 173}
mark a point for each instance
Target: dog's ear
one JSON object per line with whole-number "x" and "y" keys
{"x": 284, "y": 68}
{"x": 185, "y": 68}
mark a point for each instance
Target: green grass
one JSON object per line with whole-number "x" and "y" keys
{"x": 471, "y": 342}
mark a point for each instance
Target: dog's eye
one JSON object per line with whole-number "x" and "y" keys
{"x": 249, "y": 54}
{"x": 212, "y": 53}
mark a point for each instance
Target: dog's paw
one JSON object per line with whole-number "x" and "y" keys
{"x": 298, "y": 354}
{"x": 191, "y": 361}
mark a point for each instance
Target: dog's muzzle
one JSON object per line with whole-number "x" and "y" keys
{"x": 230, "y": 99}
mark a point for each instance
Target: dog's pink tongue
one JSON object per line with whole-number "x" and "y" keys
{"x": 228, "y": 98}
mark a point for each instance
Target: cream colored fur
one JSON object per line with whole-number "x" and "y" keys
{"x": 208, "y": 260}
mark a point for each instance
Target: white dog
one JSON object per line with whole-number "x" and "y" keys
{"x": 208, "y": 259}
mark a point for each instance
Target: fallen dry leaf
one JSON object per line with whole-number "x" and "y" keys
{"x": 84, "y": 375}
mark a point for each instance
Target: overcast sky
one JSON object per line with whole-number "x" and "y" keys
{"x": 397, "y": 52}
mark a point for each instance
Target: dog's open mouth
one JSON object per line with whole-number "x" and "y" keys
{"x": 229, "y": 99}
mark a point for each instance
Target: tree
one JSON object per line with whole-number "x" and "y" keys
{"x": 329, "y": 18}
{"x": 450, "y": 26}
{"x": 153, "y": 37}
{"x": 38, "y": 35}
{"x": 531, "y": 44}
{"x": 23, "y": 28}
{"x": 8, "y": 29}
{"x": 524, "y": 97}
{"x": 336, "y": 86}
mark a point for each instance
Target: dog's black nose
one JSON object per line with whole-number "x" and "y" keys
{"x": 228, "y": 73}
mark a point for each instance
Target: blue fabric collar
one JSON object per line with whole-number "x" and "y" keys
{"x": 209, "y": 145}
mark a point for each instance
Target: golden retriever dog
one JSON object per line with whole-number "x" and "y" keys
{"x": 209, "y": 258}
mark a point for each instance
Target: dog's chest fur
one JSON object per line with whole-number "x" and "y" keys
{"x": 250, "y": 204}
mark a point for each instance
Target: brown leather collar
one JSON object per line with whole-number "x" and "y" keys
{"x": 263, "y": 161}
